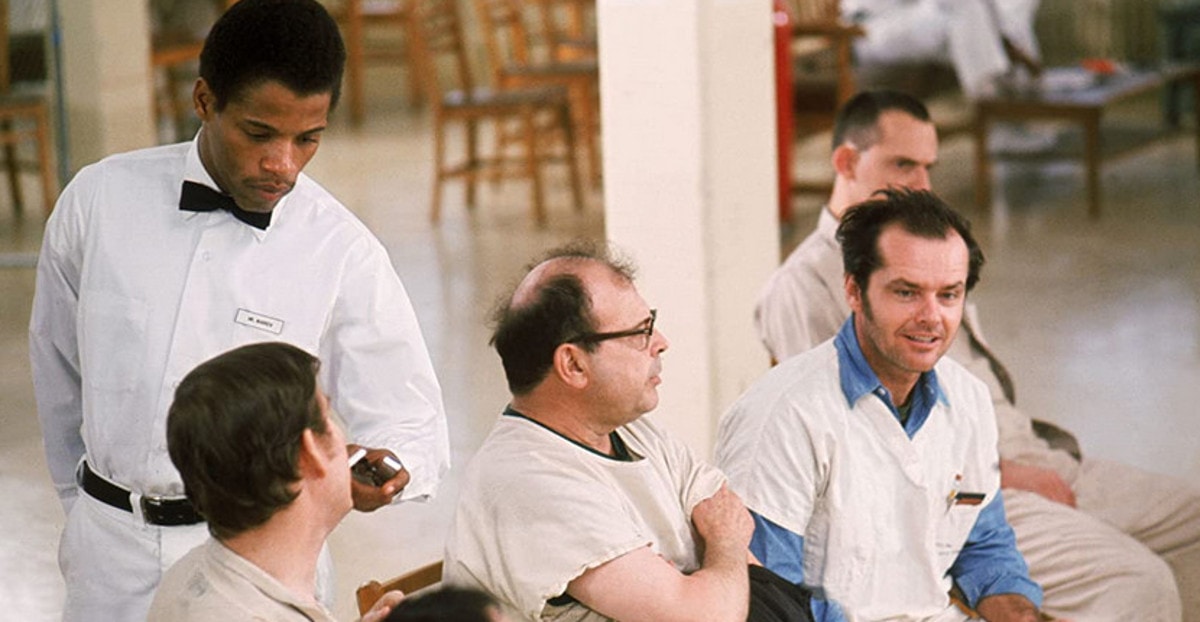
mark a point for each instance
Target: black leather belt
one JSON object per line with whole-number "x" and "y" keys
{"x": 164, "y": 511}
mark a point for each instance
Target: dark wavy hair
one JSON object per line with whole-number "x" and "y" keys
{"x": 293, "y": 42}
{"x": 920, "y": 212}
{"x": 526, "y": 336}
{"x": 234, "y": 432}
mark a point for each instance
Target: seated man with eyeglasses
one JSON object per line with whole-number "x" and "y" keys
{"x": 576, "y": 506}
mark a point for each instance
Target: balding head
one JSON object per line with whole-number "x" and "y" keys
{"x": 550, "y": 306}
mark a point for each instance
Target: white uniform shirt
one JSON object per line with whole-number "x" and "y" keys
{"x": 133, "y": 293}
{"x": 874, "y": 507}
{"x": 537, "y": 510}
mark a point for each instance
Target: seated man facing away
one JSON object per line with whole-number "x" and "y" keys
{"x": 576, "y": 506}
{"x": 869, "y": 463}
{"x": 1105, "y": 540}
{"x": 261, "y": 460}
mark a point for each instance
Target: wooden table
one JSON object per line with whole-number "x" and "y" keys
{"x": 1082, "y": 106}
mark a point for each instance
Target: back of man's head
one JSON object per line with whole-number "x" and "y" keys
{"x": 919, "y": 212}
{"x": 857, "y": 119}
{"x": 293, "y": 42}
{"x": 234, "y": 432}
{"x": 550, "y": 307}
{"x": 447, "y": 604}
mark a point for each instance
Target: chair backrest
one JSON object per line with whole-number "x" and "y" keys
{"x": 409, "y": 583}
{"x": 504, "y": 34}
{"x": 438, "y": 33}
{"x": 815, "y": 10}
{"x": 568, "y": 28}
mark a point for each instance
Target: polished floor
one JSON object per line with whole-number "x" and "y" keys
{"x": 1098, "y": 320}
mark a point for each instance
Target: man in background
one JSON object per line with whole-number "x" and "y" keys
{"x": 1105, "y": 540}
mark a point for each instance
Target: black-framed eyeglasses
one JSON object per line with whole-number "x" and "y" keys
{"x": 645, "y": 332}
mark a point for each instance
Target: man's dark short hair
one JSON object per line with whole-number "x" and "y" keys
{"x": 920, "y": 212}
{"x": 526, "y": 336}
{"x": 293, "y": 42}
{"x": 445, "y": 604}
{"x": 858, "y": 119}
{"x": 234, "y": 432}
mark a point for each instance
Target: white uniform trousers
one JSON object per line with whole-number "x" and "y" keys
{"x": 962, "y": 33}
{"x": 112, "y": 561}
{"x": 1129, "y": 552}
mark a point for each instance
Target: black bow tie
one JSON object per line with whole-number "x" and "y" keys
{"x": 200, "y": 198}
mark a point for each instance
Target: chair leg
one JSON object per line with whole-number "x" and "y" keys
{"x": 473, "y": 165}
{"x": 564, "y": 115}
{"x": 582, "y": 107}
{"x": 11, "y": 167}
{"x": 354, "y": 61}
{"x": 533, "y": 167}
{"x": 439, "y": 159}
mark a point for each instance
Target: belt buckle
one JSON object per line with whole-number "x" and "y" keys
{"x": 168, "y": 512}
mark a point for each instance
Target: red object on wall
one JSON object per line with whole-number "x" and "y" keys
{"x": 783, "y": 104}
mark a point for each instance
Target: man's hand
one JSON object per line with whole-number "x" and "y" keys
{"x": 722, "y": 520}
{"x": 368, "y": 497}
{"x": 1008, "y": 608}
{"x": 382, "y": 607}
{"x": 1044, "y": 482}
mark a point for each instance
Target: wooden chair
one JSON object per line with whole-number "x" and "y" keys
{"x": 390, "y": 19}
{"x": 568, "y": 28}
{"x": 513, "y": 65}
{"x": 439, "y": 35}
{"x": 410, "y": 582}
{"x": 823, "y": 75}
{"x": 24, "y": 117}
{"x": 174, "y": 50}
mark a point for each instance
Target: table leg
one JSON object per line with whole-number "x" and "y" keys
{"x": 983, "y": 163}
{"x": 1091, "y": 161}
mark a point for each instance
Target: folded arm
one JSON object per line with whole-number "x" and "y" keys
{"x": 641, "y": 585}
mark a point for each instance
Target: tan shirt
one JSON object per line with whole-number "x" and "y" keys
{"x": 213, "y": 584}
{"x": 804, "y": 303}
{"x": 536, "y": 511}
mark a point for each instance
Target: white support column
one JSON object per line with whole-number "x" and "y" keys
{"x": 688, "y": 107}
{"x": 106, "y": 76}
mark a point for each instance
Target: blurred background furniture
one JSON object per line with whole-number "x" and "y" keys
{"x": 376, "y": 30}
{"x": 24, "y": 117}
{"x": 823, "y": 73}
{"x": 1180, "y": 28}
{"x": 569, "y": 28}
{"x": 543, "y": 113}
{"x": 176, "y": 39}
{"x": 515, "y": 64}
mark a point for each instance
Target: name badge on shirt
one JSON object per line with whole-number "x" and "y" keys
{"x": 249, "y": 318}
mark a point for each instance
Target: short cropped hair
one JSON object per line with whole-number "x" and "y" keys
{"x": 446, "y": 604}
{"x": 857, "y": 121}
{"x": 293, "y": 42}
{"x": 526, "y": 336}
{"x": 920, "y": 212}
{"x": 234, "y": 432}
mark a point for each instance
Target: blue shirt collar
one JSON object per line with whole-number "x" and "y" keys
{"x": 858, "y": 380}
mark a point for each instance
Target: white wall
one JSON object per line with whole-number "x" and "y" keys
{"x": 688, "y": 123}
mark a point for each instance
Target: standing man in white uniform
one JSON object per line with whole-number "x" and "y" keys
{"x": 1105, "y": 540}
{"x": 981, "y": 39}
{"x": 156, "y": 260}
{"x": 869, "y": 462}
